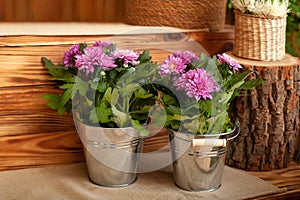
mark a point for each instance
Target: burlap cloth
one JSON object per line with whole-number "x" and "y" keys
{"x": 70, "y": 182}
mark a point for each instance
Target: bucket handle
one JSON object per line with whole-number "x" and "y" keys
{"x": 209, "y": 142}
{"x": 237, "y": 129}
{"x": 214, "y": 142}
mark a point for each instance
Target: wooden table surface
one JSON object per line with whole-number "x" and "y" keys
{"x": 33, "y": 135}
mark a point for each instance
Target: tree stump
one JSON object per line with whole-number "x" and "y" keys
{"x": 268, "y": 115}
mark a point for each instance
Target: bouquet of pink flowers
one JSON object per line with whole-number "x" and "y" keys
{"x": 104, "y": 85}
{"x": 93, "y": 87}
{"x": 197, "y": 91}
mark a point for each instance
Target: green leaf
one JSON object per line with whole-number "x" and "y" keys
{"x": 61, "y": 110}
{"x": 107, "y": 95}
{"x": 120, "y": 118}
{"x": 175, "y": 125}
{"x": 144, "y": 133}
{"x": 206, "y": 105}
{"x": 112, "y": 74}
{"x": 54, "y": 100}
{"x": 177, "y": 117}
{"x": 56, "y": 71}
{"x": 137, "y": 126}
{"x": 93, "y": 118}
{"x": 193, "y": 126}
{"x": 251, "y": 84}
{"x": 66, "y": 78}
{"x": 157, "y": 115}
{"x": 103, "y": 113}
{"x": 142, "y": 93}
{"x": 102, "y": 87}
{"x": 144, "y": 110}
{"x": 173, "y": 110}
{"x": 89, "y": 102}
{"x": 203, "y": 125}
{"x": 144, "y": 57}
{"x": 114, "y": 97}
{"x": 239, "y": 78}
{"x": 295, "y": 8}
{"x": 52, "y": 97}
{"x": 94, "y": 85}
{"x": 82, "y": 47}
{"x": 128, "y": 89}
{"x": 67, "y": 86}
{"x": 109, "y": 49}
{"x": 55, "y": 103}
{"x": 79, "y": 86}
{"x": 82, "y": 88}
{"x": 183, "y": 118}
{"x": 168, "y": 99}
{"x": 217, "y": 122}
{"x": 67, "y": 95}
{"x": 212, "y": 68}
{"x": 226, "y": 97}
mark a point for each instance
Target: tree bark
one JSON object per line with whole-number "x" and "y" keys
{"x": 268, "y": 115}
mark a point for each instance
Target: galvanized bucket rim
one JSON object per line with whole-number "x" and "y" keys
{"x": 133, "y": 141}
{"x": 107, "y": 128}
{"x": 189, "y": 136}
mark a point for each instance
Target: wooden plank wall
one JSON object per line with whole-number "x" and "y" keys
{"x": 33, "y": 135}
{"x": 62, "y": 10}
{"x": 68, "y": 10}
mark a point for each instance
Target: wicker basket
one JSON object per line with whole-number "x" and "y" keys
{"x": 259, "y": 37}
{"x": 187, "y": 14}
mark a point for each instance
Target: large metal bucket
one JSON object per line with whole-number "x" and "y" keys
{"x": 112, "y": 154}
{"x": 199, "y": 160}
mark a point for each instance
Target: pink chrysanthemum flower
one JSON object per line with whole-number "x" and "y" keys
{"x": 224, "y": 58}
{"x": 128, "y": 56}
{"x": 197, "y": 84}
{"x": 171, "y": 65}
{"x": 69, "y": 55}
{"x": 102, "y": 44}
{"x": 177, "y": 62}
{"x": 187, "y": 56}
{"x": 94, "y": 57}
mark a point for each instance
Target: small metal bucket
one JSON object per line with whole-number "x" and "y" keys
{"x": 112, "y": 154}
{"x": 198, "y": 161}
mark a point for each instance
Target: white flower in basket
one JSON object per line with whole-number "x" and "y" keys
{"x": 262, "y": 7}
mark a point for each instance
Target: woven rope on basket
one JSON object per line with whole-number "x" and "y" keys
{"x": 187, "y": 14}
{"x": 259, "y": 37}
